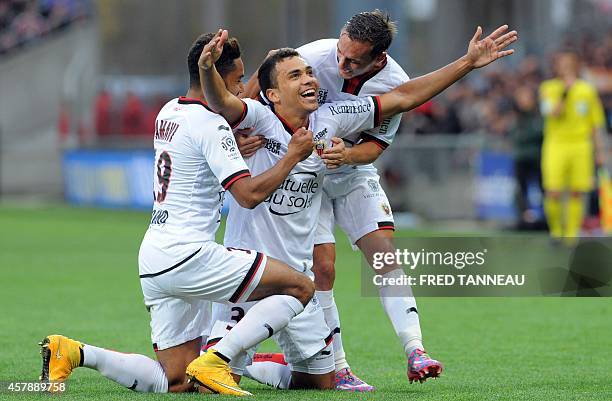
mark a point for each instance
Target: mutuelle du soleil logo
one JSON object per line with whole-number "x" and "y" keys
{"x": 294, "y": 195}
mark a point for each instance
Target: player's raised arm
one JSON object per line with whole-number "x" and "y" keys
{"x": 218, "y": 97}
{"x": 417, "y": 91}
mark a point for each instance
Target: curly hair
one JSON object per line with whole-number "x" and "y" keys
{"x": 225, "y": 64}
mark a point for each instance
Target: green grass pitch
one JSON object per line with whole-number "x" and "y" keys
{"x": 74, "y": 271}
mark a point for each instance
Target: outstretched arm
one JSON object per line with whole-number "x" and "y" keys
{"x": 417, "y": 91}
{"x": 218, "y": 97}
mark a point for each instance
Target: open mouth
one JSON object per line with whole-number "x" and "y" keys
{"x": 308, "y": 94}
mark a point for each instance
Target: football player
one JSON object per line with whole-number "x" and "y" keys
{"x": 357, "y": 64}
{"x": 181, "y": 266}
{"x": 284, "y": 226}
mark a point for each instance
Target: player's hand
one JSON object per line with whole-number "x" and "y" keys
{"x": 248, "y": 144}
{"x": 336, "y": 155}
{"x": 485, "y": 51}
{"x": 301, "y": 144}
{"x": 271, "y": 53}
{"x": 213, "y": 49}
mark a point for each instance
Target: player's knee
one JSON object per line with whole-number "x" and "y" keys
{"x": 325, "y": 274}
{"x": 303, "y": 289}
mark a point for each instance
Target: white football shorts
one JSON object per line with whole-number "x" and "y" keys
{"x": 178, "y": 298}
{"x": 306, "y": 342}
{"x": 356, "y": 202}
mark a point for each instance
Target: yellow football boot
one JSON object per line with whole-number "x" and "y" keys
{"x": 60, "y": 355}
{"x": 213, "y": 372}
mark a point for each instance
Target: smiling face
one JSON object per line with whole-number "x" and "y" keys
{"x": 296, "y": 87}
{"x": 355, "y": 57}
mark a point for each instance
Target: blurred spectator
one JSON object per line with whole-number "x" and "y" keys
{"x": 24, "y": 21}
{"x": 484, "y": 103}
{"x": 103, "y": 114}
{"x": 151, "y": 115}
{"x": 526, "y": 135}
{"x": 132, "y": 116}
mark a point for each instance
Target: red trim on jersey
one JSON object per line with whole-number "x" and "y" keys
{"x": 235, "y": 177}
{"x": 248, "y": 278}
{"x": 354, "y": 85}
{"x": 386, "y": 225}
{"x": 189, "y": 100}
{"x": 329, "y": 338}
{"x": 242, "y": 116}
{"x": 287, "y": 126}
{"x": 377, "y": 108}
{"x": 377, "y": 141}
{"x": 210, "y": 343}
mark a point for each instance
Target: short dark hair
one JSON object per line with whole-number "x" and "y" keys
{"x": 225, "y": 64}
{"x": 374, "y": 27}
{"x": 267, "y": 71}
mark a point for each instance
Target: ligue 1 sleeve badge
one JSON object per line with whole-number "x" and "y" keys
{"x": 319, "y": 147}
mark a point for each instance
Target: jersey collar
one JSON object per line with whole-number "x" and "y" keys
{"x": 188, "y": 100}
{"x": 286, "y": 125}
{"x": 354, "y": 85}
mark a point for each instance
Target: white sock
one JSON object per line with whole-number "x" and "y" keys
{"x": 332, "y": 318}
{"x": 273, "y": 374}
{"x": 134, "y": 371}
{"x": 265, "y": 318}
{"x": 400, "y": 306}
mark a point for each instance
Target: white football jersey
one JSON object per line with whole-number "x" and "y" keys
{"x": 196, "y": 160}
{"x": 283, "y": 226}
{"x": 321, "y": 55}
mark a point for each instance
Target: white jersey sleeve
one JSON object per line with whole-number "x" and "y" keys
{"x": 384, "y": 134}
{"x": 391, "y": 77}
{"x": 258, "y": 117}
{"x": 351, "y": 116}
{"x": 221, "y": 152}
{"x": 315, "y": 53}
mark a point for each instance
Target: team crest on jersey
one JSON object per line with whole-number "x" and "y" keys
{"x": 322, "y": 96}
{"x": 319, "y": 147}
{"x": 386, "y": 209}
{"x": 373, "y": 185}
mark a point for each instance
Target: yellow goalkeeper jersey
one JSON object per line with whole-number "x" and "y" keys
{"x": 582, "y": 113}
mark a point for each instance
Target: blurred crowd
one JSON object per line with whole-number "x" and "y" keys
{"x": 25, "y": 21}
{"x": 128, "y": 116}
{"x": 486, "y": 102}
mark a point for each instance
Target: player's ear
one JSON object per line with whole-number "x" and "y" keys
{"x": 273, "y": 95}
{"x": 380, "y": 59}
